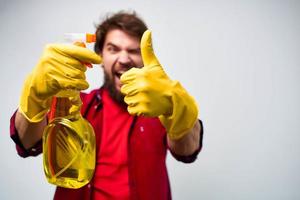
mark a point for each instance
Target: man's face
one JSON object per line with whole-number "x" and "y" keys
{"x": 120, "y": 53}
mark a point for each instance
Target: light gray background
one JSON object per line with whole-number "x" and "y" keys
{"x": 240, "y": 59}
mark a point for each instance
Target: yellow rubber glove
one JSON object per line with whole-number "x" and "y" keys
{"x": 149, "y": 92}
{"x": 60, "y": 68}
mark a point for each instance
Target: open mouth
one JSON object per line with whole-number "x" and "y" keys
{"x": 117, "y": 79}
{"x": 118, "y": 74}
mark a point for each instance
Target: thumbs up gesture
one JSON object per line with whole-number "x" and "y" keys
{"x": 150, "y": 92}
{"x": 145, "y": 88}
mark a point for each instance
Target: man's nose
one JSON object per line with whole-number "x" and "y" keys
{"x": 124, "y": 58}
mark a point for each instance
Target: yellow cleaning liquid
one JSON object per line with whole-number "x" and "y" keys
{"x": 68, "y": 149}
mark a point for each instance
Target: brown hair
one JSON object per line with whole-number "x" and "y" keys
{"x": 128, "y": 22}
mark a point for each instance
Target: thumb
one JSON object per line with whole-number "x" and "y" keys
{"x": 148, "y": 55}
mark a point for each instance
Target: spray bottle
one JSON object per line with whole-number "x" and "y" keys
{"x": 69, "y": 148}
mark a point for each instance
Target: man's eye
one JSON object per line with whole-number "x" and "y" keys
{"x": 135, "y": 51}
{"x": 112, "y": 49}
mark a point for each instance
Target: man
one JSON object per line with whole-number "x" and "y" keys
{"x": 137, "y": 115}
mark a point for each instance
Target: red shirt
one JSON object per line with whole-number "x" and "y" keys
{"x": 146, "y": 153}
{"x": 111, "y": 174}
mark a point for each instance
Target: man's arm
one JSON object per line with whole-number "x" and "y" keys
{"x": 188, "y": 144}
{"x": 150, "y": 92}
{"x": 29, "y": 133}
{"x": 65, "y": 65}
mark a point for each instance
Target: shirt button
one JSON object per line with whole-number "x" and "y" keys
{"x": 89, "y": 186}
{"x": 33, "y": 149}
{"x": 142, "y": 129}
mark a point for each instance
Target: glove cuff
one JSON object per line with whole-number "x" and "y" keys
{"x": 33, "y": 118}
{"x": 184, "y": 113}
{"x": 31, "y": 107}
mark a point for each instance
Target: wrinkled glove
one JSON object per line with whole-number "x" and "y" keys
{"x": 150, "y": 92}
{"x": 60, "y": 68}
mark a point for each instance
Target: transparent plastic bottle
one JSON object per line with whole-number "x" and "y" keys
{"x": 68, "y": 145}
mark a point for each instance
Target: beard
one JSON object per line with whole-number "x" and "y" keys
{"x": 116, "y": 95}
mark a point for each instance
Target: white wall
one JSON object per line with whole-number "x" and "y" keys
{"x": 240, "y": 59}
